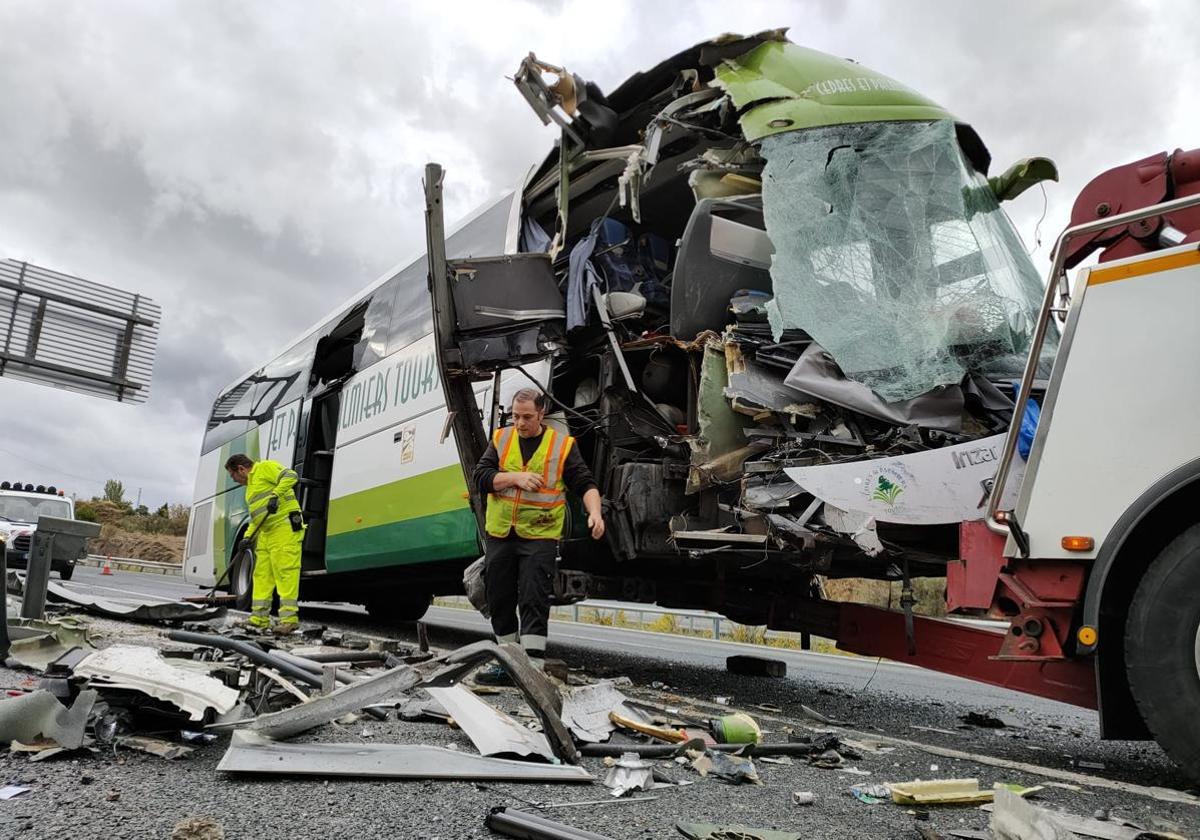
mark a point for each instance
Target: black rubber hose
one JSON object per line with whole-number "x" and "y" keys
{"x": 347, "y": 656}
{"x": 512, "y": 822}
{"x": 250, "y": 651}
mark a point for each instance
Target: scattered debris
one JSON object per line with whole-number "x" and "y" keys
{"x": 349, "y": 698}
{"x": 992, "y": 720}
{"x": 870, "y": 794}
{"x": 198, "y": 828}
{"x": 813, "y": 714}
{"x": 1090, "y": 765}
{"x": 725, "y": 766}
{"x": 803, "y": 797}
{"x": 11, "y": 791}
{"x": 738, "y": 728}
{"x": 154, "y": 746}
{"x": 662, "y": 733}
{"x": 142, "y": 669}
{"x": 40, "y": 714}
{"x": 939, "y": 792}
{"x": 755, "y": 666}
{"x": 491, "y": 731}
{"x": 250, "y": 752}
{"x": 132, "y": 609}
{"x": 512, "y": 822}
{"x": 628, "y": 773}
{"x": 707, "y": 831}
{"x": 585, "y": 710}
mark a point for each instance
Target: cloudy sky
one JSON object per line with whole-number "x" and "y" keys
{"x": 251, "y": 165}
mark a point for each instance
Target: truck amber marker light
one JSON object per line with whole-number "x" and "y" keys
{"x": 1078, "y": 543}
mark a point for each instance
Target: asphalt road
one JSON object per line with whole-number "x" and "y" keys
{"x": 124, "y": 794}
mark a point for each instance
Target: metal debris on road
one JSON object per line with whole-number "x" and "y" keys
{"x": 707, "y": 831}
{"x": 154, "y": 746}
{"x": 249, "y": 752}
{"x": 490, "y": 730}
{"x": 145, "y": 609}
{"x": 628, "y": 773}
{"x": 12, "y": 791}
{"x": 513, "y": 822}
{"x": 143, "y": 669}
{"x": 586, "y": 708}
{"x": 349, "y": 698}
{"x": 39, "y": 713}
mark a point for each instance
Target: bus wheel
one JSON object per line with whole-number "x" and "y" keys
{"x": 398, "y": 607}
{"x": 1162, "y": 649}
{"x": 241, "y": 580}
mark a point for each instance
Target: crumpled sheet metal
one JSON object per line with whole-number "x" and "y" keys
{"x": 892, "y": 253}
{"x": 319, "y": 710}
{"x": 142, "y": 669}
{"x": 539, "y": 692}
{"x": 921, "y": 488}
{"x": 249, "y": 752}
{"x": 586, "y": 710}
{"x": 39, "y": 713}
{"x": 146, "y": 609}
{"x": 490, "y": 730}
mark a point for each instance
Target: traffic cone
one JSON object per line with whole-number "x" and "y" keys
{"x": 106, "y": 569}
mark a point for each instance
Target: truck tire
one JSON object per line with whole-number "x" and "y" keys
{"x": 1162, "y": 649}
{"x": 241, "y": 580}
{"x": 397, "y": 607}
{"x": 67, "y": 571}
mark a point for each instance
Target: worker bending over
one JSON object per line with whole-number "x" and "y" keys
{"x": 525, "y": 473}
{"x": 276, "y": 532}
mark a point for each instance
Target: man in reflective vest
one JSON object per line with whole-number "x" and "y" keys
{"x": 525, "y": 474}
{"x": 277, "y": 531}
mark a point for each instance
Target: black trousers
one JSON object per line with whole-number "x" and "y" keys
{"x": 519, "y": 574}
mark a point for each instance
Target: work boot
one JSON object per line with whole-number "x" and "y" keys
{"x": 492, "y": 675}
{"x": 287, "y": 629}
{"x": 252, "y": 627}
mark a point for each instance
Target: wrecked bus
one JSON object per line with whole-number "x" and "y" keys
{"x": 797, "y": 338}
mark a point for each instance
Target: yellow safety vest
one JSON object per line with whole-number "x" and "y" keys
{"x": 267, "y": 479}
{"x": 533, "y": 515}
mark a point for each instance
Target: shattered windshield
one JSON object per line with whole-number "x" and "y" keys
{"x": 24, "y": 509}
{"x": 892, "y": 252}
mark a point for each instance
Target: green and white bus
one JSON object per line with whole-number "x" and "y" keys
{"x": 355, "y": 406}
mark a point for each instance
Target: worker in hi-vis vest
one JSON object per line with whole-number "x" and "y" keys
{"x": 276, "y": 531}
{"x": 525, "y": 474}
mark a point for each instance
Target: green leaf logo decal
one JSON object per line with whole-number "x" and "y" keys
{"x": 886, "y": 491}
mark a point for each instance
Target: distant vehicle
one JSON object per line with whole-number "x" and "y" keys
{"x": 20, "y": 506}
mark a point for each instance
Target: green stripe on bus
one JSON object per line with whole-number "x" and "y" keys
{"x": 438, "y": 491}
{"x": 424, "y": 539}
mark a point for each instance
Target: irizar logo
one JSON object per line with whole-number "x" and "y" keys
{"x": 886, "y": 491}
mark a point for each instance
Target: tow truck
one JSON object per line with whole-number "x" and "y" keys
{"x": 21, "y": 504}
{"x": 774, "y": 296}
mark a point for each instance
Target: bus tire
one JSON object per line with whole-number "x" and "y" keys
{"x": 399, "y": 607}
{"x": 1162, "y": 649}
{"x": 241, "y": 580}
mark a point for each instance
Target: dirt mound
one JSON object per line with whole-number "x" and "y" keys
{"x": 155, "y": 548}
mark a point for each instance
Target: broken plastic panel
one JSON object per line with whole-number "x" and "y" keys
{"x": 893, "y": 254}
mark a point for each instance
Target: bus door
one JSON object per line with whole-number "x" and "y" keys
{"x": 333, "y": 364}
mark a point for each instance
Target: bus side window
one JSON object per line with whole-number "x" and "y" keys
{"x": 231, "y": 414}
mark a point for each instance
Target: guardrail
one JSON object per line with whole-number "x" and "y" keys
{"x": 131, "y": 564}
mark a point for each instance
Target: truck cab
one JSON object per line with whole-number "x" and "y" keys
{"x": 21, "y": 505}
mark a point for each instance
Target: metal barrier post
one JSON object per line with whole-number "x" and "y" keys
{"x": 37, "y": 576}
{"x": 4, "y": 643}
{"x": 717, "y": 628}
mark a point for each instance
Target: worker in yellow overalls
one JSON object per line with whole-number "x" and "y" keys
{"x": 277, "y": 532}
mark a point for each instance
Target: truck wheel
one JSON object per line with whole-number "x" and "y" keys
{"x": 67, "y": 571}
{"x": 1162, "y": 649}
{"x": 398, "y": 607}
{"x": 241, "y": 580}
